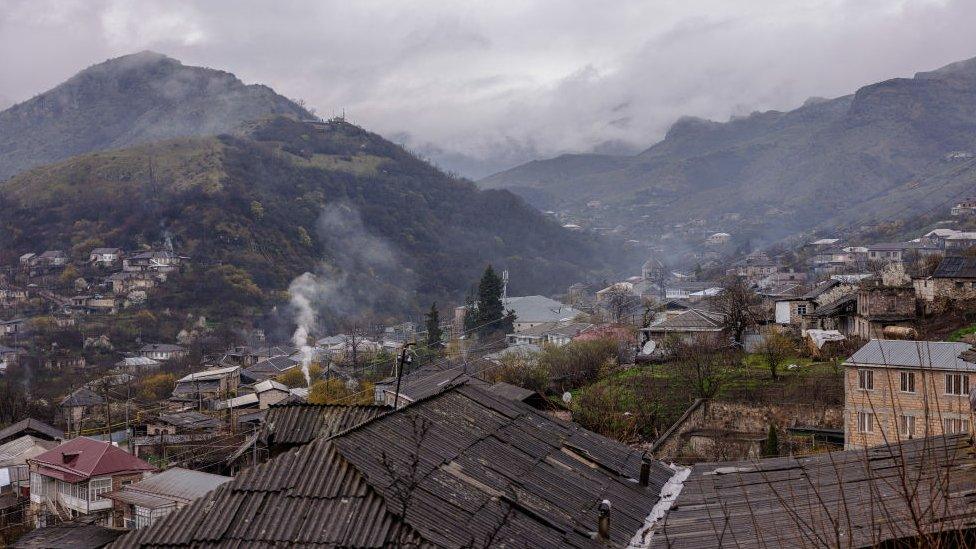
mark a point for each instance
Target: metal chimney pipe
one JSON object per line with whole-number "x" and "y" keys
{"x": 603, "y": 529}
{"x": 645, "y": 475}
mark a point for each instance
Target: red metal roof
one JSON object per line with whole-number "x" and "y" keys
{"x": 82, "y": 458}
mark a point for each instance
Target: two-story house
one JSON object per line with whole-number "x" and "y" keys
{"x": 897, "y": 390}
{"x": 70, "y": 480}
{"x": 162, "y": 351}
{"x": 880, "y": 307}
{"x": 104, "y": 256}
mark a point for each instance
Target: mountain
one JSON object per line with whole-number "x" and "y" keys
{"x": 896, "y": 147}
{"x": 386, "y": 231}
{"x": 130, "y": 100}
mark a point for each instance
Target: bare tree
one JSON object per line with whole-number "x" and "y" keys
{"x": 775, "y": 348}
{"x": 704, "y": 363}
{"x": 618, "y": 301}
{"x": 739, "y": 306}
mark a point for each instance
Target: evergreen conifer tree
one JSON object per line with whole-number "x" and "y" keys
{"x": 434, "y": 332}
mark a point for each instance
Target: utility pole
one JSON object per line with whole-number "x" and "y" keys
{"x": 108, "y": 412}
{"x": 403, "y": 361}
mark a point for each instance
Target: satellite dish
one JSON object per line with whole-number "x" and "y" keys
{"x": 649, "y": 347}
{"x": 567, "y": 397}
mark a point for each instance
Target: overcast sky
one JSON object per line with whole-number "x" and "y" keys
{"x": 482, "y": 86}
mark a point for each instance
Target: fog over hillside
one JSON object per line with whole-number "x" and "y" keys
{"x": 481, "y": 88}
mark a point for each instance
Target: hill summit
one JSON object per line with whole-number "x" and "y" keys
{"x": 130, "y": 100}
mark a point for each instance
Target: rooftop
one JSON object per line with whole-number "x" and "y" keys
{"x": 68, "y": 534}
{"x": 938, "y": 355}
{"x": 854, "y": 496}
{"x": 214, "y": 374}
{"x": 82, "y": 457}
{"x": 176, "y": 485}
{"x": 30, "y": 426}
{"x": 490, "y": 471}
{"x": 537, "y": 308}
{"x": 690, "y": 320}
{"x": 300, "y": 423}
{"x": 956, "y": 267}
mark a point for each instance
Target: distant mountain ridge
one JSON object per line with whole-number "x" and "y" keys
{"x": 852, "y": 159}
{"x": 130, "y": 100}
{"x": 250, "y": 207}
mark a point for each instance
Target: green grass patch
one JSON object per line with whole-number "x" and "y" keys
{"x": 962, "y": 332}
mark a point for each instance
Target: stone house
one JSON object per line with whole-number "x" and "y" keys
{"x": 77, "y": 406}
{"x": 208, "y": 385}
{"x": 897, "y": 390}
{"x": 880, "y": 307}
{"x": 162, "y": 351}
{"x": 685, "y": 326}
{"x": 104, "y": 256}
{"x": 52, "y": 258}
{"x": 70, "y": 481}
{"x": 157, "y": 261}
{"x": 955, "y": 278}
{"x": 964, "y": 207}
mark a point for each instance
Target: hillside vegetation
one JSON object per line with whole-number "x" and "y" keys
{"x": 247, "y": 209}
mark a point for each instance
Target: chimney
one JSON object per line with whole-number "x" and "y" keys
{"x": 645, "y": 475}
{"x": 603, "y": 529}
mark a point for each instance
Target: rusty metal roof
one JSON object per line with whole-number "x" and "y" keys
{"x": 481, "y": 469}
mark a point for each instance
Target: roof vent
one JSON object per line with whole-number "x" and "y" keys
{"x": 68, "y": 457}
{"x": 603, "y": 529}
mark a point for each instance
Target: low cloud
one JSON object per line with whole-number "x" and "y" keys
{"x": 482, "y": 87}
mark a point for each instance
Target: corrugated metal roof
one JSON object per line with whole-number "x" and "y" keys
{"x": 171, "y": 486}
{"x": 481, "y": 469}
{"x": 19, "y": 450}
{"x": 956, "y": 267}
{"x": 30, "y": 424}
{"x": 300, "y": 423}
{"x": 941, "y": 355}
{"x": 853, "y": 498}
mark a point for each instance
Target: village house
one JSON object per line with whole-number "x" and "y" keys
{"x": 27, "y": 260}
{"x": 246, "y": 355}
{"x": 9, "y": 356}
{"x": 550, "y": 333}
{"x": 960, "y": 241}
{"x": 162, "y": 261}
{"x": 126, "y": 282}
{"x": 71, "y": 480}
{"x": 881, "y": 307}
{"x": 104, "y": 257}
{"x": 10, "y": 297}
{"x": 718, "y": 239}
{"x": 13, "y": 327}
{"x": 133, "y": 364}
{"x": 288, "y": 426}
{"x": 77, "y": 406}
{"x": 898, "y": 390}
{"x": 142, "y": 503}
{"x": 14, "y": 471}
{"x": 685, "y": 326}
{"x": 208, "y": 385}
{"x": 270, "y": 392}
{"x": 270, "y": 368}
{"x": 51, "y": 259}
{"x": 533, "y": 310}
{"x": 837, "y": 315}
{"x": 964, "y": 207}
{"x": 162, "y": 351}
{"x": 33, "y": 427}
{"x": 95, "y": 304}
{"x": 178, "y": 423}
{"x": 954, "y": 278}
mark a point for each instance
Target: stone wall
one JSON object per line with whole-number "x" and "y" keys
{"x": 738, "y": 425}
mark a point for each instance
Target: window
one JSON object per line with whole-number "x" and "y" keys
{"x": 865, "y": 422}
{"x": 953, "y": 426}
{"x": 99, "y": 486}
{"x": 956, "y": 384}
{"x": 801, "y": 309}
{"x": 908, "y": 382}
{"x": 906, "y": 426}
{"x": 865, "y": 380}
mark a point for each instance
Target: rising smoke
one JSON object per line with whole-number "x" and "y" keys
{"x": 347, "y": 283}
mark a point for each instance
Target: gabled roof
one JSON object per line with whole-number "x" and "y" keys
{"x": 300, "y": 423}
{"x": 895, "y": 353}
{"x": 430, "y": 381}
{"x": 242, "y": 401}
{"x": 210, "y": 375}
{"x": 30, "y": 426}
{"x": 821, "y": 288}
{"x": 691, "y": 320}
{"x": 81, "y": 458}
{"x": 190, "y": 419}
{"x": 490, "y": 469}
{"x": 956, "y": 267}
{"x": 82, "y": 397}
{"x": 18, "y": 450}
{"x": 268, "y": 385}
{"x": 836, "y": 307}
